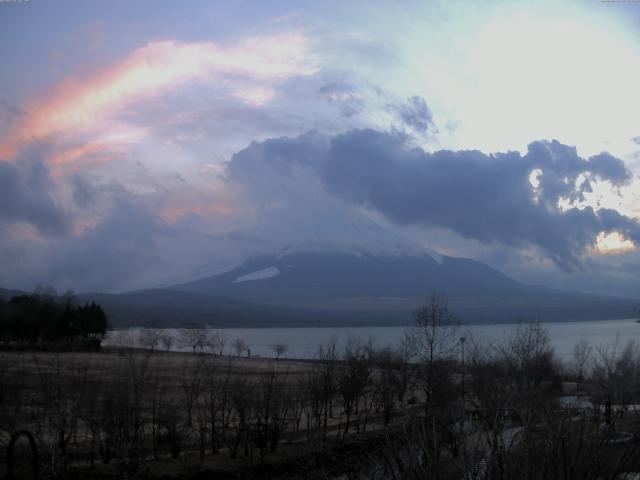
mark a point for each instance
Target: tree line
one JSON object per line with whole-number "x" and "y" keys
{"x": 46, "y": 320}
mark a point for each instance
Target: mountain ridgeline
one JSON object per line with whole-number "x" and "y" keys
{"x": 303, "y": 278}
{"x": 307, "y": 288}
{"x": 385, "y": 289}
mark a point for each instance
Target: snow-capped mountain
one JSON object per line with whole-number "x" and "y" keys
{"x": 391, "y": 287}
{"x": 321, "y": 266}
{"x": 323, "y": 279}
{"x": 321, "y": 230}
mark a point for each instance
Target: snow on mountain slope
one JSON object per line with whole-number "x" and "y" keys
{"x": 326, "y": 226}
{"x": 305, "y": 278}
{"x": 288, "y": 230}
{"x": 258, "y": 275}
{"x": 344, "y": 230}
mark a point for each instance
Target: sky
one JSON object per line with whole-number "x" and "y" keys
{"x": 145, "y": 143}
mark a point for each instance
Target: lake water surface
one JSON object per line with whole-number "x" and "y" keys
{"x": 303, "y": 342}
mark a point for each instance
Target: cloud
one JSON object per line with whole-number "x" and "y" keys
{"x": 82, "y": 105}
{"x": 27, "y": 195}
{"x": 70, "y": 233}
{"x": 415, "y": 114}
{"x": 83, "y": 194}
{"x": 113, "y": 240}
{"x": 308, "y": 189}
{"x": 485, "y": 197}
{"x": 111, "y": 252}
{"x": 9, "y": 113}
{"x": 256, "y": 97}
{"x": 343, "y": 95}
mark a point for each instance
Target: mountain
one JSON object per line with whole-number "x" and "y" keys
{"x": 327, "y": 229}
{"x": 164, "y": 308}
{"x": 392, "y": 286}
{"x": 330, "y": 265}
{"x": 303, "y": 288}
{"x": 304, "y": 278}
{"x": 344, "y": 260}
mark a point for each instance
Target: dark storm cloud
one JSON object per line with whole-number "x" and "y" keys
{"x": 83, "y": 194}
{"x": 119, "y": 246}
{"x": 489, "y": 198}
{"x": 632, "y": 268}
{"x": 27, "y": 195}
{"x": 263, "y": 164}
{"x": 415, "y": 113}
{"x": 115, "y": 241}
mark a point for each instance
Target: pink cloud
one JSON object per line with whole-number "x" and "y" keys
{"x": 205, "y": 210}
{"x": 254, "y": 96}
{"x": 76, "y": 159}
{"x": 81, "y": 106}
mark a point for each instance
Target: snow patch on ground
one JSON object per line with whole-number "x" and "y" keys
{"x": 258, "y": 275}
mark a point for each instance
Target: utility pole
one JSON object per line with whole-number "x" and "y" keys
{"x": 462, "y": 340}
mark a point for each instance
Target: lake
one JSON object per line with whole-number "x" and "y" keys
{"x": 303, "y": 342}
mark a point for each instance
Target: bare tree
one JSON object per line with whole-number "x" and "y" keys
{"x": 581, "y": 354}
{"x": 149, "y": 338}
{"x": 354, "y": 377}
{"x": 615, "y": 373}
{"x": 123, "y": 338}
{"x": 167, "y": 341}
{"x": 220, "y": 408}
{"x": 11, "y": 392}
{"x": 217, "y": 342}
{"x": 432, "y": 339}
{"x": 388, "y": 381}
{"x": 192, "y": 381}
{"x": 529, "y": 355}
{"x": 195, "y": 337}
{"x": 240, "y": 346}
{"x": 324, "y": 384}
{"x": 279, "y": 349}
{"x": 59, "y": 405}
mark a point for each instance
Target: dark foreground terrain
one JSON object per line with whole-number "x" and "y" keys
{"x": 507, "y": 411}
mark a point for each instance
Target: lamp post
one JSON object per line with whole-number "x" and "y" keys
{"x": 462, "y": 340}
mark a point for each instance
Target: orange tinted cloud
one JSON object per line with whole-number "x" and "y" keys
{"x": 216, "y": 208}
{"x": 76, "y": 159}
{"x": 79, "y": 105}
{"x": 74, "y": 154}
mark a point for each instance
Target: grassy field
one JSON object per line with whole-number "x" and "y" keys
{"x": 360, "y": 413}
{"x": 180, "y": 413}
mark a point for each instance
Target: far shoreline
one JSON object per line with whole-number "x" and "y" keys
{"x": 371, "y": 325}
